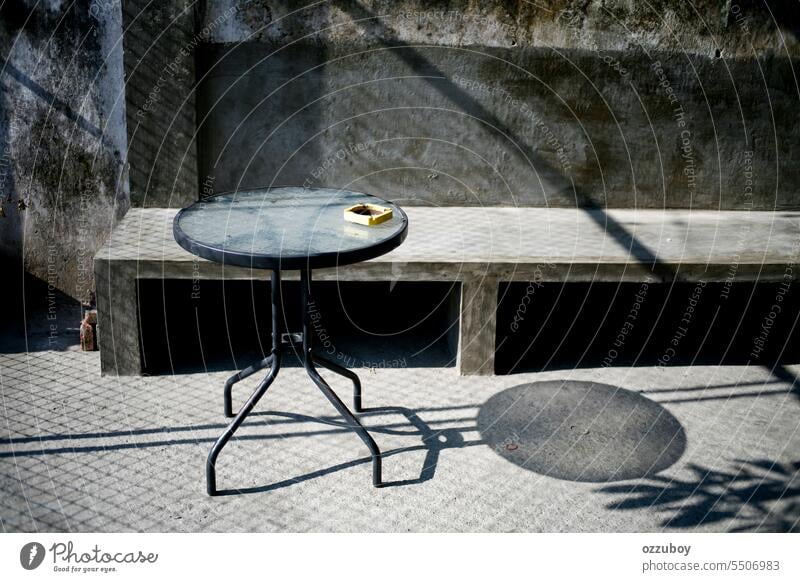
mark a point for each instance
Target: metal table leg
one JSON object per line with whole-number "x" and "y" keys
{"x": 237, "y": 377}
{"x": 342, "y": 371}
{"x": 274, "y": 362}
{"x": 308, "y": 362}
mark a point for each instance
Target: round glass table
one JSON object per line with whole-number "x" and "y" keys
{"x": 288, "y": 228}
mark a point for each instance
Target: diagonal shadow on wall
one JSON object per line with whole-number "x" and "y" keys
{"x": 465, "y": 102}
{"x": 56, "y": 104}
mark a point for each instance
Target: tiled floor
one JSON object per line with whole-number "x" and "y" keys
{"x": 82, "y": 452}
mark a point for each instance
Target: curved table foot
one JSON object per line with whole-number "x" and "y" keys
{"x": 211, "y": 462}
{"x": 342, "y": 371}
{"x": 352, "y": 421}
{"x": 239, "y": 376}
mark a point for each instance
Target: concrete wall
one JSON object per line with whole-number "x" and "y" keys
{"x": 160, "y": 42}
{"x": 448, "y": 103}
{"x": 459, "y": 102}
{"x": 62, "y": 136}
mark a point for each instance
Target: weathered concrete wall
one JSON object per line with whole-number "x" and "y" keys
{"x": 612, "y": 103}
{"x": 160, "y": 42}
{"x": 735, "y": 28}
{"x": 456, "y": 102}
{"x": 62, "y": 134}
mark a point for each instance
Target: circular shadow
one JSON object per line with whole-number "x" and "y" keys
{"x": 581, "y": 431}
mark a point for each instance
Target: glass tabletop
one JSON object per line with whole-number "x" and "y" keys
{"x": 286, "y": 228}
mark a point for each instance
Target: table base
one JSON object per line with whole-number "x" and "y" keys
{"x": 273, "y": 361}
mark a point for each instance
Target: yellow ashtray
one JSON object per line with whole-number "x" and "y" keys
{"x": 367, "y": 214}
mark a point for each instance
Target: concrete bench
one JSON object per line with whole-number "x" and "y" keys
{"x": 478, "y": 248}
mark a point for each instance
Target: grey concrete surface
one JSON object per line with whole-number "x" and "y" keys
{"x": 159, "y": 39}
{"x": 63, "y": 146}
{"x": 698, "y": 28}
{"x": 533, "y": 98}
{"x": 80, "y": 452}
{"x": 483, "y": 126}
{"x": 478, "y": 247}
{"x": 542, "y": 104}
